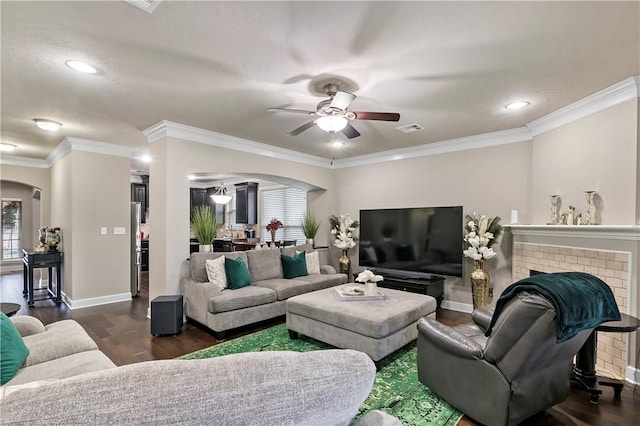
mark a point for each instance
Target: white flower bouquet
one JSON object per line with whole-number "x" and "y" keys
{"x": 342, "y": 227}
{"x": 482, "y": 233}
{"x": 367, "y": 276}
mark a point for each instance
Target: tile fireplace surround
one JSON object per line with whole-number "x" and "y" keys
{"x": 612, "y": 253}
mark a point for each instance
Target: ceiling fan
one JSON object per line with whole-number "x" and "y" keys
{"x": 333, "y": 114}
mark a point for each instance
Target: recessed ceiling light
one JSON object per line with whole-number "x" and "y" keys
{"x": 192, "y": 177}
{"x": 338, "y": 144}
{"x": 146, "y": 158}
{"x": 82, "y": 67}
{"x": 7, "y": 147}
{"x": 48, "y": 125}
{"x": 517, "y": 105}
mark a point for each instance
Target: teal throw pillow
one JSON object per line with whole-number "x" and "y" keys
{"x": 237, "y": 273}
{"x": 294, "y": 266}
{"x": 13, "y": 351}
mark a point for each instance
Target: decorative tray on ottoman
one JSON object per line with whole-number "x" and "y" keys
{"x": 354, "y": 292}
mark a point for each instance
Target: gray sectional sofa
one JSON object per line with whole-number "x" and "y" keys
{"x": 223, "y": 310}
{"x": 67, "y": 380}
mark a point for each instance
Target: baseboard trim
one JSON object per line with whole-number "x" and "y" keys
{"x": 96, "y": 301}
{"x": 457, "y": 306}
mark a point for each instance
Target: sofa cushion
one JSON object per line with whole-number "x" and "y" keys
{"x": 285, "y": 288}
{"x": 292, "y": 250}
{"x": 237, "y": 273}
{"x": 313, "y": 263}
{"x": 216, "y": 272}
{"x": 245, "y": 297}
{"x": 60, "y": 339}
{"x": 264, "y": 264}
{"x": 13, "y": 351}
{"x": 61, "y": 368}
{"x": 318, "y": 282}
{"x": 294, "y": 266}
{"x": 197, "y": 263}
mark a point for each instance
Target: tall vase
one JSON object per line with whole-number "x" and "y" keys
{"x": 480, "y": 280}
{"x": 273, "y": 237}
{"x": 345, "y": 264}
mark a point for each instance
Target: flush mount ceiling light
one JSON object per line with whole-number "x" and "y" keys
{"x": 81, "y": 67}
{"x": 7, "y": 147}
{"x": 516, "y": 105}
{"x": 48, "y": 125}
{"x": 221, "y": 197}
{"x": 331, "y": 123}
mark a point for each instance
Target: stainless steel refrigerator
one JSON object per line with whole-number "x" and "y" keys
{"x": 136, "y": 248}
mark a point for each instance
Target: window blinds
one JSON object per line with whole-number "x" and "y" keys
{"x": 289, "y": 205}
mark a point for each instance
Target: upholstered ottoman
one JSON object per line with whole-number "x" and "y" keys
{"x": 377, "y": 327}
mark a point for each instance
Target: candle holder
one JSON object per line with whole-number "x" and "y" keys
{"x": 555, "y": 208}
{"x": 590, "y": 215}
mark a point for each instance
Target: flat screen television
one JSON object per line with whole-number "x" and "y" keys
{"x": 412, "y": 242}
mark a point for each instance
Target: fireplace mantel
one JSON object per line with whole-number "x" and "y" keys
{"x": 610, "y": 252}
{"x": 613, "y": 232}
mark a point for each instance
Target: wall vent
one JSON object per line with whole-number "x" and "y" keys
{"x": 147, "y": 5}
{"x": 410, "y": 128}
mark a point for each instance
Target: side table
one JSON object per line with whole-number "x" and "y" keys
{"x": 49, "y": 260}
{"x": 584, "y": 375}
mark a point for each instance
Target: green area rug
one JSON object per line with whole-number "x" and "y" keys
{"x": 396, "y": 389}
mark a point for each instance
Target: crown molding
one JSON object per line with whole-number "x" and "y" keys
{"x": 611, "y": 96}
{"x": 14, "y": 160}
{"x": 166, "y": 128}
{"x": 521, "y": 134}
{"x": 69, "y": 144}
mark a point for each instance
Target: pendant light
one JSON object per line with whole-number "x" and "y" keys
{"x": 221, "y": 197}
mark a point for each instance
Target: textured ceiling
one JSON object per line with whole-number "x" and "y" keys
{"x": 449, "y": 66}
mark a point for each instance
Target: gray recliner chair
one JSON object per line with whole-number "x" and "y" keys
{"x": 502, "y": 379}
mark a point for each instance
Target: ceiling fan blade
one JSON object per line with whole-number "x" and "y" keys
{"x": 297, "y": 111}
{"x": 350, "y": 131}
{"x": 341, "y": 100}
{"x": 301, "y": 128}
{"x": 382, "y": 116}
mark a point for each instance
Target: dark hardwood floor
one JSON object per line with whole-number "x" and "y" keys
{"x": 122, "y": 331}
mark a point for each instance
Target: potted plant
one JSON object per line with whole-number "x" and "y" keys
{"x": 204, "y": 226}
{"x": 310, "y": 227}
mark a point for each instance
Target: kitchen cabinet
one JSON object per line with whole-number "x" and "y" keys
{"x": 144, "y": 265}
{"x": 202, "y": 197}
{"x": 247, "y": 203}
{"x": 139, "y": 195}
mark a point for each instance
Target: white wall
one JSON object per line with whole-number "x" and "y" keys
{"x": 490, "y": 181}
{"x": 32, "y": 176}
{"x": 29, "y": 223}
{"x": 599, "y": 152}
{"x": 91, "y": 191}
{"x": 173, "y": 161}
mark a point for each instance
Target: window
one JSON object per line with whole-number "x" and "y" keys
{"x": 11, "y": 229}
{"x": 289, "y": 205}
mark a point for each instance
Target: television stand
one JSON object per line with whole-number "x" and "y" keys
{"x": 432, "y": 286}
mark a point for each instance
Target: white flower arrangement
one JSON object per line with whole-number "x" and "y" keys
{"x": 367, "y": 276}
{"x": 482, "y": 233}
{"x": 342, "y": 227}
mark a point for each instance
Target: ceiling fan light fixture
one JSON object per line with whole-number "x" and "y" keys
{"x": 221, "y": 197}
{"x": 331, "y": 123}
{"x": 48, "y": 125}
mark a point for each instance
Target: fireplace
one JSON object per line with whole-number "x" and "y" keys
{"x": 546, "y": 249}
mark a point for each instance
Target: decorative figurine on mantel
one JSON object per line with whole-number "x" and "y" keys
{"x": 570, "y": 215}
{"x": 556, "y": 202}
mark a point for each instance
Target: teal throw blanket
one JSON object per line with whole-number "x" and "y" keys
{"x": 581, "y": 301}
